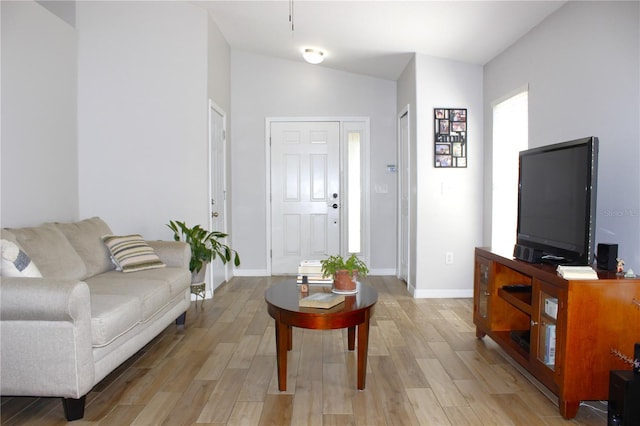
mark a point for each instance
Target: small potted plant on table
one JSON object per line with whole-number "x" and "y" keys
{"x": 345, "y": 272}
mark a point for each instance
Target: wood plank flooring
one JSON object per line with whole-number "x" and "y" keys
{"x": 425, "y": 367}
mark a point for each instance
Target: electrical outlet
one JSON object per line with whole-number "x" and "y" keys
{"x": 448, "y": 258}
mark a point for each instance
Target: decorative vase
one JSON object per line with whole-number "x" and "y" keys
{"x": 344, "y": 280}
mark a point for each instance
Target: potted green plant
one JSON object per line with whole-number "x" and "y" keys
{"x": 205, "y": 247}
{"x": 345, "y": 272}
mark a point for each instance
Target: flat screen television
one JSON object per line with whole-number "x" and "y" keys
{"x": 557, "y": 203}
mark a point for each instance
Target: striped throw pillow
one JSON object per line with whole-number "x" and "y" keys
{"x": 131, "y": 253}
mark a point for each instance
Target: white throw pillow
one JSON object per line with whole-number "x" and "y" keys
{"x": 16, "y": 263}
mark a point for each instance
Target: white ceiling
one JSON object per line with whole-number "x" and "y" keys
{"x": 377, "y": 38}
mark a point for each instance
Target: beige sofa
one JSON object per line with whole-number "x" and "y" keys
{"x": 64, "y": 332}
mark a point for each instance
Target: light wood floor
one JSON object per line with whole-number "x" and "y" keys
{"x": 425, "y": 367}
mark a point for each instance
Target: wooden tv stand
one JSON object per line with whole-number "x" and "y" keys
{"x": 596, "y": 321}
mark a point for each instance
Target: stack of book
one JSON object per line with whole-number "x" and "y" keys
{"x": 312, "y": 270}
{"x": 577, "y": 272}
{"x": 550, "y": 344}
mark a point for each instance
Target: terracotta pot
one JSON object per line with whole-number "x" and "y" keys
{"x": 344, "y": 280}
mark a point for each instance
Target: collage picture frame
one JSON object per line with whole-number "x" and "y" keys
{"x": 450, "y": 141}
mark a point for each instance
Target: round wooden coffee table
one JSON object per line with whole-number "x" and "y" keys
{"x": 282, "y": 303}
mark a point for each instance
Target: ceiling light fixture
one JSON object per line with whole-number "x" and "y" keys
{"x": 313, "y": 56}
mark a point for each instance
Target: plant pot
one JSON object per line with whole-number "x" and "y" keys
{"x": 199, "y": 277}
{"x": 344, "y": 280}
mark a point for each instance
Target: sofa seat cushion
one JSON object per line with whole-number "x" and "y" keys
{"x": 152, "y": 294}
{"x": 48, "y": 248}
{"x": 178, "y": 279}
{"x": 85, "y": 237}
{"x": 112, "y": 315}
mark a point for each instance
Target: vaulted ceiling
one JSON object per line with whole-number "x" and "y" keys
{"x": 377, "y": 38}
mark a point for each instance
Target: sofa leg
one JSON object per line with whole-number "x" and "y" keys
{"x": 181, "y": 319}
{"x": 73, "y": 408}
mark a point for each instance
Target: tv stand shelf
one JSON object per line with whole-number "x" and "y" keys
{"x": 574, "y": 326}
{"x": 521, "y": 300}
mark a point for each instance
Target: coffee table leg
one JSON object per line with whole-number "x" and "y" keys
{"x": 351, "y": 338}
{"x": 363, "y": 347}
{"x": 283, "y": 341}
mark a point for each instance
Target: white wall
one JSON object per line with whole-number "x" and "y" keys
{"x": 264, "y": 87}
{"x": 582, "y": 65}
{"x": 449, "y": 201}
{"x": 218, "y": 67}
{"x": 219, "y": 90}
{"x": 39, "y": 129}
{"x": 142, "y": 111}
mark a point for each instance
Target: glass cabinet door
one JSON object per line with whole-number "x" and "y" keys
{"x": 482, "y": 283}
{"x": 547, "y": 337}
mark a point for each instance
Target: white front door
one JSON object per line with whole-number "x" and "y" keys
{"x": 217, "y": 187}
{"x": 305, "y": 193}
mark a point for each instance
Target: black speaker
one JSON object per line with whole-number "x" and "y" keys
{"x": 624, "y": 394}
{"x": 607, "y": 257}
{"x": 527, "y": 254}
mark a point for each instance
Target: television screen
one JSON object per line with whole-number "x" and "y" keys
{"x": 556, "y": 201}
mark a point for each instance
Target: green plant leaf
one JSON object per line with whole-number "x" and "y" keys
{"x": 205, "y": 245}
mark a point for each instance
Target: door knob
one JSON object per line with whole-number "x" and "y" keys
{"x": 335, "y": 205}
{"x": 214, "y": 214}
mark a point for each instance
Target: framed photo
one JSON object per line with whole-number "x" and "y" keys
{"x": 450, "y": 138}
{"x": 443, "y": 148}
{"x": 458, "y": 115}
{"x": 444, "y": 127}
{"x": 457, "y": 126}
{"x": 457, "y": 149}
{"x": 443, "y": 161}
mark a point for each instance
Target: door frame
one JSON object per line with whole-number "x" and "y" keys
{"x": 214, "y": 107}
{"x": 404, "y": 166}
{"x": 365, "y": 180}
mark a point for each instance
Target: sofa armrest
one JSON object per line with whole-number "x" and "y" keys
{"x": 45, "y": 337}
{"x": 172, "y": 253}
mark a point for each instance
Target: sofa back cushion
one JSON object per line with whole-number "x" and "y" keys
{"x": 85, "y": 237}
{"x": 50, "y": 250}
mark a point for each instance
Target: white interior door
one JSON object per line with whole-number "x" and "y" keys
{"x": 218, "y": 271}
{"x": 403, "y": 240}
{"x": 305, "y": 193}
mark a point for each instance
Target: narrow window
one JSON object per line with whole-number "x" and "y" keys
{"x": 510, "y": 136}
{"x": 354, "y": 209}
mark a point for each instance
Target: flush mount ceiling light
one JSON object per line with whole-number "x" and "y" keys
{"x": 313, "y": 56}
